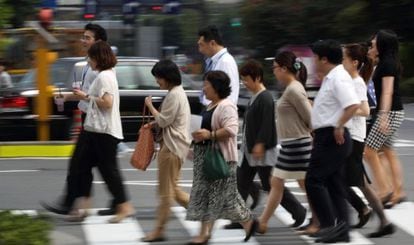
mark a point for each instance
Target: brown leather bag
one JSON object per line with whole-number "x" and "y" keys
{"x": 144, "y": 149}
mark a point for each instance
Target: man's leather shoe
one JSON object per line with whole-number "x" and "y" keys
{"x": 383, "y": 231}
{"x": 324, "y": 232}
{"x": 344, "y": 237}
{"x": 339, "y": 233}
{"x": 56, "y": 208}
{"x": 105, "y": 212}
{"x": 232, "y": 226}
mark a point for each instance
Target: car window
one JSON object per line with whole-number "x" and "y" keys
{"x": 59, "y": 74}
{"x": 145, "y": 78}
{"x": 126, "y": 77}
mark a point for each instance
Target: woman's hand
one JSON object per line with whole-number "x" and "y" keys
{"x": 148, "y": 101}
{"x": 201, "y": 134}
{"x": 384, "y": 123}
{"x": 258, "y": 151}
{"x": 80, "y": 93}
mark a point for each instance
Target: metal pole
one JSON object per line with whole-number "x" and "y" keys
{"x": 43, "y": 103}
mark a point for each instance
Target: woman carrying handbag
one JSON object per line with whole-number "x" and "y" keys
{"x": 174, "y": 120}
{"x": 217, "y": 199}
{"x": 103, "y": 129}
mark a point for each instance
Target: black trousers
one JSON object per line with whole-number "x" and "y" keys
{"x": 74, "y": 188}
{"x": 102, "y": 148}
{"x": 325, "y": 185}
{"x": 245, "y": 177}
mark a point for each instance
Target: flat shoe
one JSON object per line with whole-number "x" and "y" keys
{"x": 155, "y": 239}
{"x": 383, "y": 231}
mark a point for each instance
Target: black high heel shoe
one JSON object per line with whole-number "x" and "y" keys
{"x": 252, "y": 230}
{"x": 363, "y": 219}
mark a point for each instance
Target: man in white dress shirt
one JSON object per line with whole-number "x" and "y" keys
{"x": 211, "y": 45}
{"x": 334, "y": 106}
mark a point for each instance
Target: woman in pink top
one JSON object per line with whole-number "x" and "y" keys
{"x": 217, "y": 199}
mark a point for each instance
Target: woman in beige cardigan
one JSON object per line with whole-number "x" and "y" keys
{"x": 174, "y": 121}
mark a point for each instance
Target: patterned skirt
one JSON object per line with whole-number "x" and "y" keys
{"x": 212, "y": 200}
{"x": 377, "y": 139}
{"x": 293, "y": 159}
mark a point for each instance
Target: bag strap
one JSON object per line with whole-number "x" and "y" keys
{"x": 145, "y": 115}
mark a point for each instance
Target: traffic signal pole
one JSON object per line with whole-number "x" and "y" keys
{"x": 43, "y": 101}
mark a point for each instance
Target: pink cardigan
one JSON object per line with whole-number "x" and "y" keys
{"x": 225, "y": 116}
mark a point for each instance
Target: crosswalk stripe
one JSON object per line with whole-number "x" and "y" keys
{"x": 402, "y": 216}
{"x": 98, "y": 231}
{"x": 285, "y": 217}
{"x": 220, "y": 236}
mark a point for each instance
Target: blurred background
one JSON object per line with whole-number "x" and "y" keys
{"x": 168, "y": 28}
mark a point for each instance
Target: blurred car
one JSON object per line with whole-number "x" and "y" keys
{"x": 18, "y": 119}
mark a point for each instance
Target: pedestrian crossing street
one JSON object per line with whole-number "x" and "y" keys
{"x": 95, "y": 230}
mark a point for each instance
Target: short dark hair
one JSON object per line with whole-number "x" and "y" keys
{"x": 98, "y": 31}
{"x": 211, "y": 33}
{"x": 102, "y": 53}
{"x": 168, "y": 70}
{"x": 330, "y": 49}
{"x": 252, "y": 68}
{"x": 220, "y": 82}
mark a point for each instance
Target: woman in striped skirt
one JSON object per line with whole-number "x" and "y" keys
{"x": 293, "y": 113}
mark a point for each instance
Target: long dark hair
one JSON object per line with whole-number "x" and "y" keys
{"x": 289, "y": 60}
{"x": 387, "y": 46}
{"x": 359, "y": 52}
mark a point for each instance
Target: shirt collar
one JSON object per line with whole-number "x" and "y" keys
{"x": 215, "y": 57}
{"x": 334, "y": 70}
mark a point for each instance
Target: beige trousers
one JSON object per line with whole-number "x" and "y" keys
{"x": 169, "y": 167}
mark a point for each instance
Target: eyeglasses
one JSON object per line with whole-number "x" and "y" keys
{"x": 86, "y": 38}
{"x": 275, "y": 66}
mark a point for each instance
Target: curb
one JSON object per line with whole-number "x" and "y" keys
{"x": 36, "y": 149}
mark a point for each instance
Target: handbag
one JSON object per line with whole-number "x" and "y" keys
{"x": 95, "y": 119}
{"x": 144, "y": 148}
{"x": 215, "y": 166}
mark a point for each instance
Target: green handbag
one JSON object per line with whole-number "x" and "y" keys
{"x": 215, "y": 166}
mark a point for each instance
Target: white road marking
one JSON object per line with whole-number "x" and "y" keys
{"x": 220, "y": 236}
{"x": 402, "y": 215}
{"x": 285, "y": 217}
{"x": 19, "y": 171}
{"x": 98, "y": 231}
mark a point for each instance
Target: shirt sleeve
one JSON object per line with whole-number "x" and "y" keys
{"x": 299, "y": 100}
{"x": 266, "y": 120}
{"x": 344, "y": 91}
{"x": 361, "y": 90}
{"x": 228, "y": 119}
{"x": 388, "y": 69}
{"x": 107, "y": 84}
{"x": 168, "y": 112}
{"x": 229, "y": 66}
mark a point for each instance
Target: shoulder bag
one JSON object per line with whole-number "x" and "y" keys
{"x": 95, "y": 119}
{"x": 144, "y": 149}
